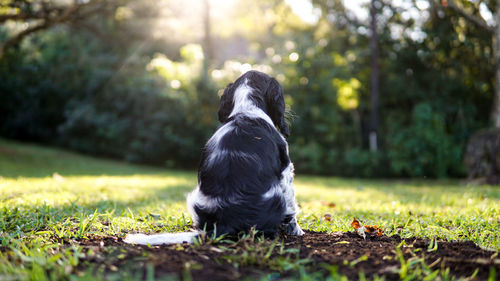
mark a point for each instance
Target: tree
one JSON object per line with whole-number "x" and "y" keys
{"x": 374, "y": 76}
{"x": 481, "y": 156}
{"x": 42, "y": 15}
{"x": 473, "y": 15}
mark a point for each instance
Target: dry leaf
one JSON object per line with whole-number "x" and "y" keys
{"x": 373, "y": 229}
{"x": 362, "y": 230}
{"x": 329, "y": 204}
{"x": 328, "y": 217}
{"x": 359, "y": 229}
{"x": 355, "y": 224}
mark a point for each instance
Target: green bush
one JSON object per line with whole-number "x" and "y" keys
{"x": 424, "y": 148}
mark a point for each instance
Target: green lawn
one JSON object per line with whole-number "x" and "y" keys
{"x": 48, "y": 195}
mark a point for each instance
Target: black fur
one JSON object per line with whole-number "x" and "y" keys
{"x": 245, "y": 163}
{"x": 267, "y": 95}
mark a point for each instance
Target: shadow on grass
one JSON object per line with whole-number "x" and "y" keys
{"x": 40, "y": 217}
{"x": 30, "y": 160}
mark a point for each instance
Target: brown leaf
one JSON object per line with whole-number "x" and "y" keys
{"x": 371, "y": 228}
{"x": 374, "y": 229}
{"x": 328, "y": 217}
{"x": 355, "y": 223}
{"x": 329, "y": 204}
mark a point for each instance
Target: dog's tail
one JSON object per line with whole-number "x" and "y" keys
{"x": 161, "y": 238}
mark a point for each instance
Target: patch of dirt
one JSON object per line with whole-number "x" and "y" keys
{"x": 183, "y": 261}
{"x": 463, "y": 258}
{"x": 377, "y": 255}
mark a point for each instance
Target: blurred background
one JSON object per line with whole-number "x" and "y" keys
{"x": 377, "y": 88}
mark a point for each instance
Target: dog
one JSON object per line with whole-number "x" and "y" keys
{"x": 245, "y": 177}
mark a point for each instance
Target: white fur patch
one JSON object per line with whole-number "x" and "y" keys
{"x": 160, "y": 239}
{"x": 214, "y": 141}
{"x": 289, "y": 190}
{"x": 197, "y": 197}
{"x": 292, "y": 208}
{"x": 274, "y": 190}
{"x": 243, "y": 104}
{"x": 223, "y": 155}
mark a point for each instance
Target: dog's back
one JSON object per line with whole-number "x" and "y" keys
{"x": 245, "y": 176}
{"x": 241, "y": 169}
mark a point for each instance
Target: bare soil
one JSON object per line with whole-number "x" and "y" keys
{"x": 375, "y": 255}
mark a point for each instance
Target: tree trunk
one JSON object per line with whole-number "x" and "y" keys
{"x": 207, "y": 40}
{"x": 374, "y": 77}
{"x": 495, "y": 111}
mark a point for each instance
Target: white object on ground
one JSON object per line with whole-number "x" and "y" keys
{"x": 161, "y": 238}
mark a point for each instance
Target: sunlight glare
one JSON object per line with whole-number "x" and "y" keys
{"x": 305, "y": 10}
{"x": 355, "y": 6}
{"x": 486, "y": 14}
{"x": 245, "y": 67}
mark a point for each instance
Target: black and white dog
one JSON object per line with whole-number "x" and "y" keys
{"x": 245, "y": 175}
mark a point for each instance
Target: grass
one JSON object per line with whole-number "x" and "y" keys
{"x": 48, "y": 195}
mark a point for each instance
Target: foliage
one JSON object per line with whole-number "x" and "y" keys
{"x": 108, "y": 105}
{"x": 124, "y": 95}
{"x": 424, "y": 147}
{"x": 432, "y": 94}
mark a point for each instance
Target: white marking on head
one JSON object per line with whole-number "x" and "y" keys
{"x": 244, "y": 105}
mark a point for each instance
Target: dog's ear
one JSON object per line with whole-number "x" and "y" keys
{"x": 276, "y": 106}
{"x": 226, "y": 103}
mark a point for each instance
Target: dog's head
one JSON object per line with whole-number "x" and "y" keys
{"x": 266, "y": 93}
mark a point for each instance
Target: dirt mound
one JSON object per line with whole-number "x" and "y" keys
{"x": 318, "y": 253}
{"x": 381, "y": 255}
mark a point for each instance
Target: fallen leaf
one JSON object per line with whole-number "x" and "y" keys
{"x": 329, "y": 204}
{"x": 373, "y": 229}
{"x": 355, "y": 224}
{"x": 362, "y": 230}
{"x": 328, "y": 217}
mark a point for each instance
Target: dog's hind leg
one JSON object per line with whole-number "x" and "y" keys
{"x": 290, "y": 225}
